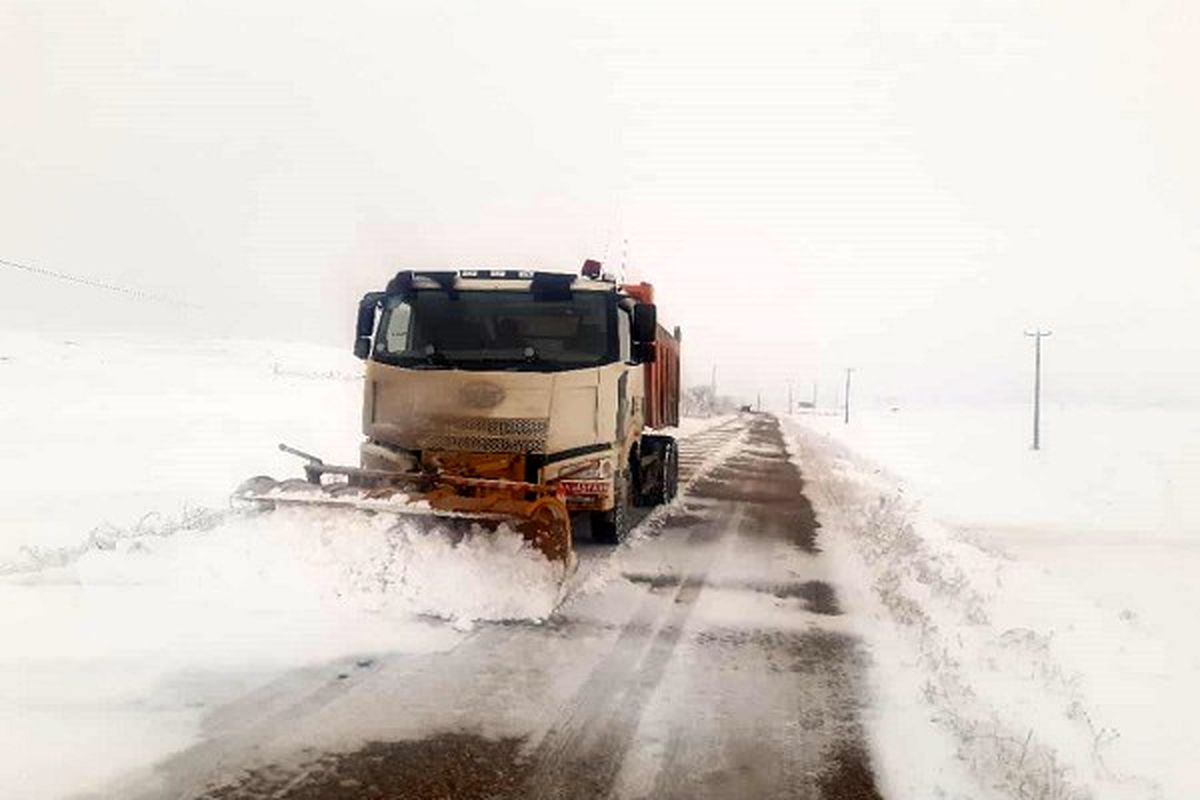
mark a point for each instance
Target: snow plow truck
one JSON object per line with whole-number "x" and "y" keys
{"x": 506, "y": 396}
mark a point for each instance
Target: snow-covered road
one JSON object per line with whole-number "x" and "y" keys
{"x": 707, "y": 658}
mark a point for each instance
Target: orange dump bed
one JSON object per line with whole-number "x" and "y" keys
{"x": 662, "y": 375}
{"x": 662, "y": 382}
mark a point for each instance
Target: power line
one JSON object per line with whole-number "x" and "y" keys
{"x": 128, "y": 291}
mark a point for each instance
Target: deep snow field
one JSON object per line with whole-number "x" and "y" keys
{"x": 1034, "y": 613}
{"x": 135, "y": 600}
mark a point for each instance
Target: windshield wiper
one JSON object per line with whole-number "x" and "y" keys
{"x": 529, "y": 357}
{"x": 432, "y": 356}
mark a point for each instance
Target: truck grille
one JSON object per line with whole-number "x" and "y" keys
{"x": 478, "y": 434}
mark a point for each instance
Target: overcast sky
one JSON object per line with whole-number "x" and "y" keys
{"x": 901, "y": 187}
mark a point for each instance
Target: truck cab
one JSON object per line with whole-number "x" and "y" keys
{"x": 536, "y": 377}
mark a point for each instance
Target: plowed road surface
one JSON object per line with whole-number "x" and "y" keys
{"x": 707, "y": 660}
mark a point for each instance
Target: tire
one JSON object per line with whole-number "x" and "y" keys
{"x": 667, "y": 479}
{"x": 611, "y": 527}
{"x": 670, "y": 473}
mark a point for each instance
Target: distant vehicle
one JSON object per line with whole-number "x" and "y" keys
{"x": 504, "y": 395}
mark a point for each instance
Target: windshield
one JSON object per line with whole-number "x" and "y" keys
{"x": 490, "y": 330}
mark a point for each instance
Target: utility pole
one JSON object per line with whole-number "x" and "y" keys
{"x": 814, "y": 396}
{"x": 846, "y": 419}
{"x": 1037, "y": 335}
{"x": 791, "y": 408}
{"x": 758, "y": 402}
{"x": 712, "y": 390}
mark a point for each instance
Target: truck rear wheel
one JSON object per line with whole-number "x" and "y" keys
{"x": 662, "y": 480}
{"x": 611, "y": 527}
{"x": 670, "y": 473}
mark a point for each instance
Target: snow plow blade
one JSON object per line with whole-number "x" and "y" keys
{"x": 533, "y": 510}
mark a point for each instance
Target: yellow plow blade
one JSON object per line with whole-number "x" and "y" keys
{"x": 532, "y": 510}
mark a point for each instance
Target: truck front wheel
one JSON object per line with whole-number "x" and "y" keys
{"x": 611, "y": 527}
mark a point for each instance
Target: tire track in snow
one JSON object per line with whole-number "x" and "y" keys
{"x": 584, "y": 751}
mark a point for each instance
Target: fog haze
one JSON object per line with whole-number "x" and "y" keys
{"x": 898, "y": 187}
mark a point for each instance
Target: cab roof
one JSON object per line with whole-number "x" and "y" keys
{"x": 497, "y": 279}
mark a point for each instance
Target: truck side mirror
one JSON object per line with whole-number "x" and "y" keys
{"x": 366, "y": 323}
{"x": 645, "y": 323}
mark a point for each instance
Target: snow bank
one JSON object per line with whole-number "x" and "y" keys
{"x": 1011, "y": 660}
{"x": 1126, "y": 470}
{"x": 150, "y": 632}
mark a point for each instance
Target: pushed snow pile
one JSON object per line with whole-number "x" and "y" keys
{"x": 147, "y": 634}
{"x": 312, "y": 560}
